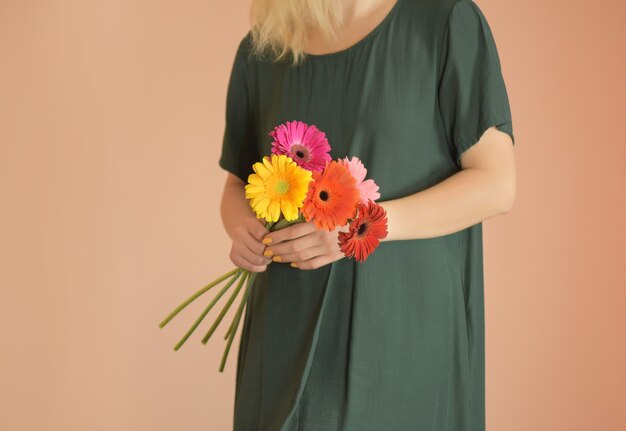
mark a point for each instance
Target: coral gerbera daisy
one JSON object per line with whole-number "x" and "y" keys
{"x": 367, "y": 188}
{"x": 366, "y": 231}
{"x": 305, "y": 144}
{"x": 278, "y": 185}
{"x": 332, "y": 197}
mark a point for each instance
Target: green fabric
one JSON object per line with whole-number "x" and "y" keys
{"x": 396, "y": 342}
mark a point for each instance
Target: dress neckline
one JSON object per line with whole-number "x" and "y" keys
{"x": 377, "y": 29}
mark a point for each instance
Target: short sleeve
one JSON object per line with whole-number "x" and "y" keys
{"x": 239, "y": 147}
{"x": 472, "y": 94}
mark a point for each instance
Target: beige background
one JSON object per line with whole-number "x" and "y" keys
{"x": 111, "y": 118}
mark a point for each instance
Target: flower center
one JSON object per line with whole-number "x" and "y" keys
{"x": 301, "y": 152}
{"x": 323, "y": 195}
{"x": 362, "y": 229}
{"x": 281, "y": 187}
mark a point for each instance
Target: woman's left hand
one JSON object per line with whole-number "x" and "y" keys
{"x": 304, "y": 246}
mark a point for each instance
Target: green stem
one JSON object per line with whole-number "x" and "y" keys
{"x": 232, "y": 324}
{"x": 206, "y": 310}
{"x": 226, "y": 306}
{"x": 237, "y": 319}
{"x": 195, "y": 295}
{"x": 284, "y": 223}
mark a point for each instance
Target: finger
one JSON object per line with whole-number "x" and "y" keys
{"x": 241, "y": 262}
{"x": 253, "y": 244}
{"x": 294, "y": 245}
{"x": 254, "y": 259}
{"x": 289, "y": 232}
{"x": 315, "y": 262}
{"x": 258, "y": 229}
{"x": 252, "y": 250}
{"x": 302, "y": 255}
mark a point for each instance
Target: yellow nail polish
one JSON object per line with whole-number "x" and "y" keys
{"x": 268, "y": 253}
{"x": 294, "y": 265}
{"x": 277, "y": 259}
{"x": 267, "y": 240}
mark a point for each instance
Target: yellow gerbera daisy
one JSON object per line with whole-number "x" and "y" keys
{"x": 278, "y": 185}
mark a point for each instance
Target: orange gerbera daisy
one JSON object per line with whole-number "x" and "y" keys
{"x": 366, "y": 231}
{"x": 332, "y": 197}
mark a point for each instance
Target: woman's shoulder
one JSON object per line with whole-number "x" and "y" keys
{"x": 428, "y": 8}
{"x": 432, "y": 19}
{"x": 245, "y": 44}
{"x": 247, "y": 51}
{"x": 433, "y": 12}
{"x": 423, "y": 22}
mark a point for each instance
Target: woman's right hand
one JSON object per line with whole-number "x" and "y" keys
{"x": 247, "y": 248}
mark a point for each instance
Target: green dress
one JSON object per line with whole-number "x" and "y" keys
{"x": 394, "y": 343}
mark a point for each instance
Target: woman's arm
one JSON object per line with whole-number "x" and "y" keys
{"x": 485, "y": 187}
{"x": 243, "y": 227}
{"x": 234, "y": 203}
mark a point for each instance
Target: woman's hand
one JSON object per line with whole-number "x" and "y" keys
{"x": 247, "y": 249}
{"x": 305, "y": 246}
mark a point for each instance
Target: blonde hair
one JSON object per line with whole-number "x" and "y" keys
{"x": 280, "y": 26}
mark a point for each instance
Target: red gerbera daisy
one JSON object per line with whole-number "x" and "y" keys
{"x": 366, "y": 231}
{"x": 332, "y": 197}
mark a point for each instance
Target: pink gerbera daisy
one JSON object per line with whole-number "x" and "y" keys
{"x": 305, "y": 144}
{"x": 367, "y": 188}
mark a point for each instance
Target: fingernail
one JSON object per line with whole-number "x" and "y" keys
{"x": 277, "y": 259}
{"x": 267, "y": 240}
{"x": 268, "y": 253}
{"x": 294, "y": 265}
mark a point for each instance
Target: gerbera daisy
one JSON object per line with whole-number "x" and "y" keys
{"x": 332, "y": 197}
{"x": 278, "y": 185}
{"x": 367, "y": 188}
{"x": 305, "y": 144}
{"x": 366, "y": 231}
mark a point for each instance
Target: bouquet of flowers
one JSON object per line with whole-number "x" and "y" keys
{"x": 300, "y": 182}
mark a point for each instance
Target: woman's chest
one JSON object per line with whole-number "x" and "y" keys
{"x": 381, "y": 107}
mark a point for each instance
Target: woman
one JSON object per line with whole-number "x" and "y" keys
{"x": 414, "y": 89}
